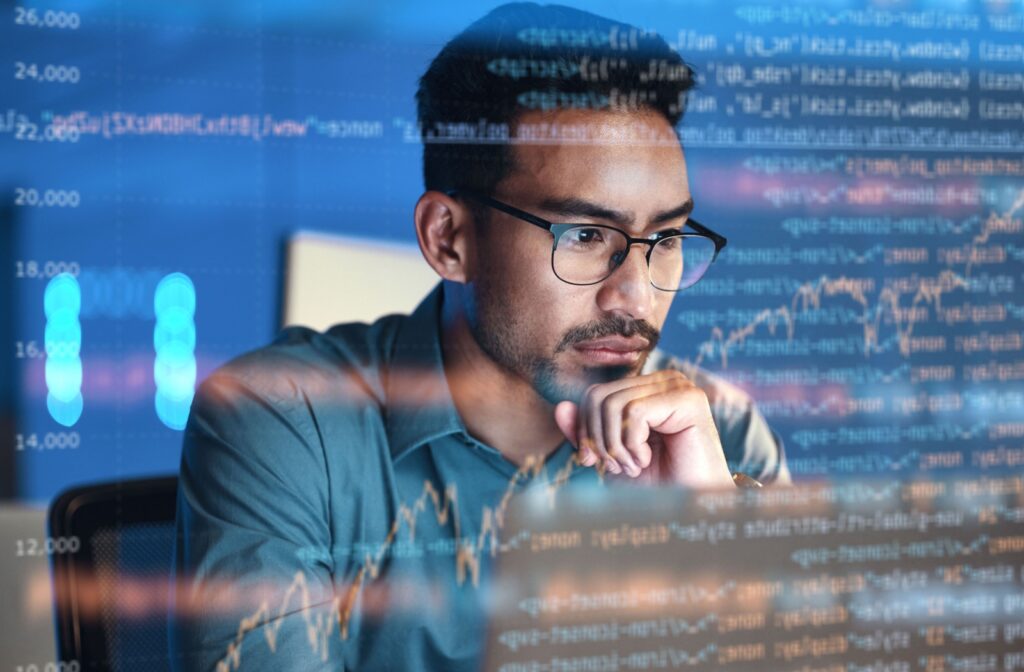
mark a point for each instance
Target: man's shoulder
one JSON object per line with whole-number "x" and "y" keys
{"x": 345, "y": 361}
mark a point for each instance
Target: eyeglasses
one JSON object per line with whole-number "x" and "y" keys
{"x": 586, "y": 254}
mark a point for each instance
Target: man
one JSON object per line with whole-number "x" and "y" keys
{"x": 341, "y": 492}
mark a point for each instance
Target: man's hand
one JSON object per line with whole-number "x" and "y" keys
{"x": 655, "y": 428}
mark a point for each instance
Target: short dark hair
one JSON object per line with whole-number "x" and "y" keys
{"x": 521, "y": 57}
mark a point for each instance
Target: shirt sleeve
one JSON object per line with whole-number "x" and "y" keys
{"x": 751, "y": 446}
{"x": 253, "y": 583}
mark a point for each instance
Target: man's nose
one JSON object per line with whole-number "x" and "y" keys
{"x": 628, "y": 289}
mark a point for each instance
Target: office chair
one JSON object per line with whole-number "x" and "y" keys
{"x": 111, "y": 591}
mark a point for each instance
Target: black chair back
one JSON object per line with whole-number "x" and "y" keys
{"x": 112, "y": 554}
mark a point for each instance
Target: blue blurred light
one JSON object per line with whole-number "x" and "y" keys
{"x": 174, "y": 340}
{"x": 62, "y": 302}
{"x": 66, "y": 413}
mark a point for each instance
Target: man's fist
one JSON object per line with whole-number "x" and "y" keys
{"x": 656, "y": 428}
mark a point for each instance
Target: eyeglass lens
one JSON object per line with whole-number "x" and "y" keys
{"x": 589, "y": 254}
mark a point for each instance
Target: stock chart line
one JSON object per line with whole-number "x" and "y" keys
{"x": 929, "y": 291}
{"x": 467, "y": 557}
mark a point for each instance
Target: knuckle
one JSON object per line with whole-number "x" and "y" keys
{"x": 633, "y": 410}
{"x": 611, "y": 406}
{"x": 696, "y": 395}
{"x": 679, "y": 380}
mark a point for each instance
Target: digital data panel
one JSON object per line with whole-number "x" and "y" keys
{"x": 864, "y": 159}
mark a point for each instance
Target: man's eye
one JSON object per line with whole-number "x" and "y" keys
{"x": 670, "y": 243}
{"x": 584, "y": 236}
{"x": 665, "y": 233}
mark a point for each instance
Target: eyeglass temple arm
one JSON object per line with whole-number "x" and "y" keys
{"x": 498, "y": 205}
{"x": 719, "y": 239}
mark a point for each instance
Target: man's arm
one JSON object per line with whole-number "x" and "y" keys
{"x": 253, "y": 569}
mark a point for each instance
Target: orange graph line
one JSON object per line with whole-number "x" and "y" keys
{"x": 467, "y": 559}
{"x": 809, "y": 295}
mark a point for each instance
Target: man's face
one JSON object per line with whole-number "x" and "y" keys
{"x": 562, "y": 337}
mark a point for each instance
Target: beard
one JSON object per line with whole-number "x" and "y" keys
{"x": 503, "y": 336}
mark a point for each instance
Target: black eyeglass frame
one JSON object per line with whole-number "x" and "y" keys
{"x": 556, "y": 230}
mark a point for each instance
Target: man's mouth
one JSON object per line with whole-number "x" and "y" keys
{"x": 613, "y": 350}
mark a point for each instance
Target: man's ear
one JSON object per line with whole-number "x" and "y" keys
{"x": 444, "y": 228}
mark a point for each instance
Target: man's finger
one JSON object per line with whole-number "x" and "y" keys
{"x": 633, "y": 458}
{"x": 590, "y": 424}
{"x": 695, "y": 456}
{"x": 565, "y": 418}
{"x": 566, "y": 415}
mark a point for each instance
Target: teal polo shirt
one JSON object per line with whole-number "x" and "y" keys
{"x": 334, "y": 513}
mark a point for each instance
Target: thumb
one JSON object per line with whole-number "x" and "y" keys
{"x": 565, "y": 418}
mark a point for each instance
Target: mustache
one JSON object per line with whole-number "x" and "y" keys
{"x": 613, "y": 326}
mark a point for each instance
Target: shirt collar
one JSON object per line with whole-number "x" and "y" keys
{"x": 419, "y": 402}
